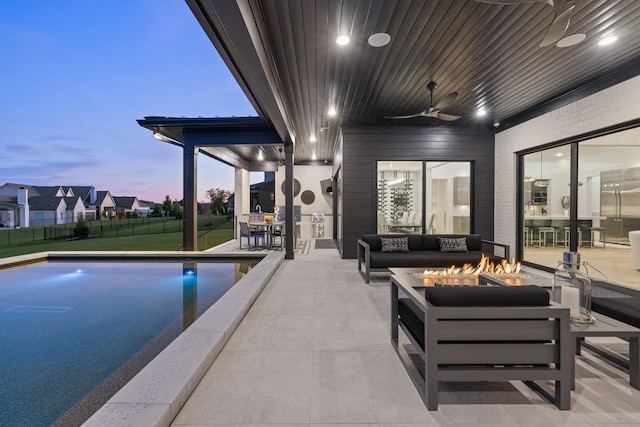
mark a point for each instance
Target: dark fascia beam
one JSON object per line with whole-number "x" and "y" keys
{"x": 249, "y": 136}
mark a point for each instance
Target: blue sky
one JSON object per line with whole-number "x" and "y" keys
{"x": 76, "y": 74}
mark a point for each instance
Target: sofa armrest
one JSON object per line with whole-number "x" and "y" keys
{"x": 497, "y": 249}
{"x": 364, "y": 256}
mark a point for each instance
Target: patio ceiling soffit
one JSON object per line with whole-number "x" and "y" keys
{"x": 224, "y": 139}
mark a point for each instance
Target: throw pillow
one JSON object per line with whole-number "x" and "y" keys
{"x": 457, "y": 244}
{"x": 395, "y": 244}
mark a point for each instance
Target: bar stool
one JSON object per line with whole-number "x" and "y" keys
{"x": 566, "y": 237}
{"x": 602, "y": 236}
{"x": 542, "y": 236}
{"x": 527, "y": 237}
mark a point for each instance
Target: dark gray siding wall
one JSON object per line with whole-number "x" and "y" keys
{"x": 362, "y": 147}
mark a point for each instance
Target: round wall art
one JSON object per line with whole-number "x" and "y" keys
{"x": 307, "y": 197}
{"x": 296, "y": 186}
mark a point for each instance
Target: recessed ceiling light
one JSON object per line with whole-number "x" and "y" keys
{"x": 332, "y": 112}
{"x": 379, "y": 39}
{"x": 342, "y": 40}
{"x": 571, "y": 40}
{"x": 313, "y": 156}
{"x": 481, "y": 112}
{"x": 260, "y": 155}
{"x": 607, "y": 40}
{"x": 312, "y": 138}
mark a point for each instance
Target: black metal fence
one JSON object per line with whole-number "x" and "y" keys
{"x": 110, "y": 228}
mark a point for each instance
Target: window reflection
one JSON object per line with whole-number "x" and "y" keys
{"x": 446, "y": 195}
{"x": 608, "y": 204}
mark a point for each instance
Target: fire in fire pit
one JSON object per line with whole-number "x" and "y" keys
{"x": 505, "y": 270}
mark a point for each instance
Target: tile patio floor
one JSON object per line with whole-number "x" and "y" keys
{"x": 314, "y": 350}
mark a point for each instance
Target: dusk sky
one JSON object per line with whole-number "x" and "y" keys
{"x": 76, "y": 74}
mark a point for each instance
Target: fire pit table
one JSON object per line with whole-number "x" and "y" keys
{"x": 603, "y": 327}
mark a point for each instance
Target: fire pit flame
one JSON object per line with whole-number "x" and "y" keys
{"x": 504, "y": 269}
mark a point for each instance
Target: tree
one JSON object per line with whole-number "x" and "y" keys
{"x": 81, "y": 228}
{"x": 167, "y": 205}
{"x": 219, "y": 200}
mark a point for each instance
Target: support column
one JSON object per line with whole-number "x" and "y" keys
{"x": 241, "y": 196}
{"x": 189, "y": 198}
{"x": 290, "y": 224}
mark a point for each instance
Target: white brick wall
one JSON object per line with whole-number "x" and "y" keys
{"x": 616, "y": 104}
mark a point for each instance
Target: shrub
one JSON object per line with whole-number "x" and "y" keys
{"x": 81, "y": 229}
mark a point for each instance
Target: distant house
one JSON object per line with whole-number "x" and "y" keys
{"x": 42, "y": 205}
{"x": 9, "y": 213}
{"x": 105, "y": 205}
{"x": 46, "y": 210}
{"x": 128, "y": 204}
{"x": 24, "y": 205}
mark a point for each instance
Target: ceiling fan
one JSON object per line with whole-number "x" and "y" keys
{"x": 564, "y": 10}
{"x": 434, "y": 111}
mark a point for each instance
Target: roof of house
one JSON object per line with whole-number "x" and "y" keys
{"x": 83, "y": 191}
{"x": 45, "y": 203}
{"x": 46, "y": 191}
{"x": 72, "y": 202}
{"x": 100, "y": 196}
{"x": 124, "y": 201}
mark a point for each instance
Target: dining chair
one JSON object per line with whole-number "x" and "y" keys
{"x": 277, "y": 232}
{"x": 246, "y": 231}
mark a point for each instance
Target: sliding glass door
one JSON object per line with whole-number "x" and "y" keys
{"x": 606, "y": 184}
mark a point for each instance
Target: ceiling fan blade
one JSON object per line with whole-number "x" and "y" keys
{"x": 558, "y": 27}
{"x": 447, "y": 117}
{"x": 446, "y": 101}
{"x": 549, "y": 2}
{"x": 410, "y": 116}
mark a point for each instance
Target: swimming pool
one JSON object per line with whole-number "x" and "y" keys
{"x": 67, "y": 327}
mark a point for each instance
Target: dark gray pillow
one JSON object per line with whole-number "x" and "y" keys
{"x": 457, "y": 244}
{"x": 395, "y": 244}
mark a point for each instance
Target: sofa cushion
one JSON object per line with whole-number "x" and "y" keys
{"x": 458, "y": 244}
{"x": 488, "y": 296}
{"x": 432, "y": 241}
{"x": 624, "y": 309}
{"x": 395, "y": 244}
{"x": 373, "y": 240}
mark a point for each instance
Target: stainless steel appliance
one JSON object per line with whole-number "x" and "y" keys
{"x": 620, "y": 203}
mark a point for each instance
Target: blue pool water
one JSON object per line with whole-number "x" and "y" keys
{"x": 67, "y": 326}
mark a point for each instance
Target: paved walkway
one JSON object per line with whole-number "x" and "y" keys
{"x": 314, "y": 350}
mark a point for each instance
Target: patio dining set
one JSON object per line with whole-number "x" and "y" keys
{"x": 263, "y": 234}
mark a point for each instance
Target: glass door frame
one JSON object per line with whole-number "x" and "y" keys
{"x": 573, "y": 143}
{"x": 423, "y": 204}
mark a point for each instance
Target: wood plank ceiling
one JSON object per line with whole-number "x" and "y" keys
{"x": 489, "y": 53}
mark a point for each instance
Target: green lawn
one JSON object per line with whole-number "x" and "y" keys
{"x": 145, "y": 242}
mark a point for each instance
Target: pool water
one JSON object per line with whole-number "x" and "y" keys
{"x": 67, "y": 326}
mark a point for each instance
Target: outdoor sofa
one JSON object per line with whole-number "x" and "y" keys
{"x": 424, "y": 250}
{"x": 482, "y": 333}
